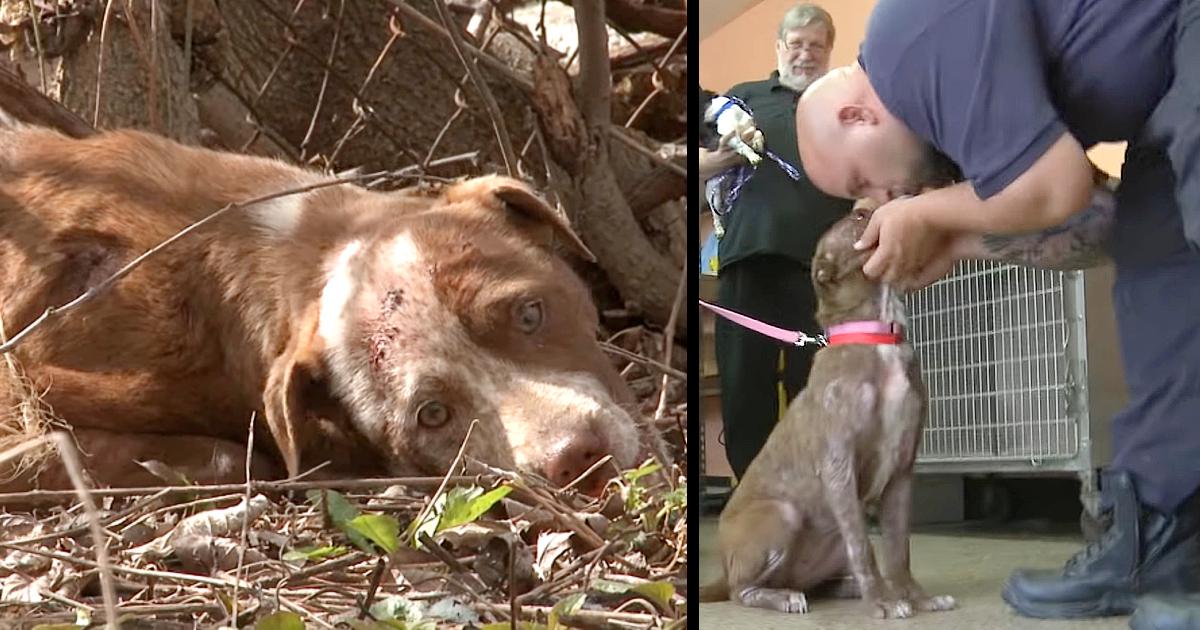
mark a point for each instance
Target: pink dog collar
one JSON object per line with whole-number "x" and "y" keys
{"x": 868, "y": 332}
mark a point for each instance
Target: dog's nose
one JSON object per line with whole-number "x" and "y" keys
{"x": 572, "y": 458}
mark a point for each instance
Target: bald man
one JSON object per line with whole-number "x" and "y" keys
{"x": 1014, "y": 92}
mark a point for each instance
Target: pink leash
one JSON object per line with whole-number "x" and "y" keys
{"x": 875, "y": 332}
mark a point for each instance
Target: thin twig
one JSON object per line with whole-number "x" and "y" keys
{"x": 333, "y": 48}
{"x": 37, "y": 40}
{"x": 165, "y": 575}
{"x": 485, "y": 92}
{"x": 527, "y": 86}
{"x": 432, "y": 547}
{"x": 74, "y": 531}
{"x": 103, "y": 44}
{"x": 188, "y": 27}
{"x": 21, "y": 449}
{"x": 299, "y": 610}
{"x": 245, "y": 521}
{"x": 361, "y": 108}
{"x": 70, "y": 458}
{"x": 152, "y": 74}
{"x": 669, "y": 341}
{"x": 259, "y": 486}
{"x": 647, "y": 361}
{"x": 641, "y": 107}
{"x": 462, "y": 449}
{"x": 373, "y": 586}
{"x": 571, "y": 574}
{"x": 522, "y": 488}
{"x": 623, "y": 136}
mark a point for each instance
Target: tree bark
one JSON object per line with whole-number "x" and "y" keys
{"x": 141, "y": 81}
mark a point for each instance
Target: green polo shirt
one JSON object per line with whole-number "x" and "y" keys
{"x": 775, "y": 214}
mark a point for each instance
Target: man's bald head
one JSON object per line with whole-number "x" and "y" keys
{"x": 851, "y": 146}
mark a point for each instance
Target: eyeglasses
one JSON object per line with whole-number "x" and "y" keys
{"x": 797, "y": 45}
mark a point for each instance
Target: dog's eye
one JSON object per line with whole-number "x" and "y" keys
{"x": 529, "y": 316}
{"x": 432, "y": 414}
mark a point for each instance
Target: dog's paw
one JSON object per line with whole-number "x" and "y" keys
{"x": 780, "y": 599}
{"x": 891, "y": 609}
{"x": 937, "y": 602}
{"x": 792, "y": 602}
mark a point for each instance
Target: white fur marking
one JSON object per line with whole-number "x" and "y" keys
{"x": 894, "y": 390}
{"x": 278, "y": 216}
{"x": 336, "y": 295}
{"x": 7, "y": 119}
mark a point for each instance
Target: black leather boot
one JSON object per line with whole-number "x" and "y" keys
{"x": 1167, "y": 612}
{"x": 1142, "y": 552}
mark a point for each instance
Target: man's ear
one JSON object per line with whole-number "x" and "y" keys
{"x": 857, "y": 114}
{"x": 285, "y": 399}
{"x": 524, "y": 209}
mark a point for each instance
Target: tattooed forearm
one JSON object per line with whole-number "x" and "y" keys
{"x": 1077, "y": 244}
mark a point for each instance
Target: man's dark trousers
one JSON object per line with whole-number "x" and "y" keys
{"x": 777, "y": 290}
{"x": 1156, "y": 295}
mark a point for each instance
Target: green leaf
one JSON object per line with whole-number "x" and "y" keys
{"x": 427, "y": 523}
{"x": 339, "y": 509}
{"x": 466, "y": 510}
{"x": 341, "y": 512}
{"x": 523, "y": 625}
{"x": 609, "y": 586}
{"x": 647, "y": 468}
{"x": 314, "y": 553}
{"x": 380, "y": 529}
{"x": 658, "y": 592}
{"x": 567, "y": 606}
{"x": 427, "y": 526}
{"x": 281, "y": 621}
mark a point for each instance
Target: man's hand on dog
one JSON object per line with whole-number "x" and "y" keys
{"x": 910, "y": 253}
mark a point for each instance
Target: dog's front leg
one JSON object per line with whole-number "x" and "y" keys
{"x": 895, "y": 514}
{"x": 841, "y": 492}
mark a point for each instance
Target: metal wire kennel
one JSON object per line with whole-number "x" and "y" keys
{"x": 1022, "y": 370}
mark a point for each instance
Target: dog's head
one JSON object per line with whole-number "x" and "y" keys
{"x": 459, "y": 312}
{"x": 843, "y": 290}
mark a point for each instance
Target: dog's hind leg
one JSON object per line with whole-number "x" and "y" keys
{"x": 756, "y": 541}
{"x": 895, "y": 510}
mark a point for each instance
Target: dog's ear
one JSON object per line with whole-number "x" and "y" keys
{"x": 286, "y": 397}
{"x": 824, "y": 269}
{"x": 523, "y": 208}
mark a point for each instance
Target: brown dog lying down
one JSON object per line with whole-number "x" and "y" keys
{"x": 795, "y": 523}
{"x": 363, "y": 328}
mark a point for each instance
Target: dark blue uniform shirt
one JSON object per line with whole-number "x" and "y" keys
{"x": 993, "y": 83}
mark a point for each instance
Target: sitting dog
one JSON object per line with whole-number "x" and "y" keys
{"x": 795, "y": 523}
{"x": 365, "y": 329}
